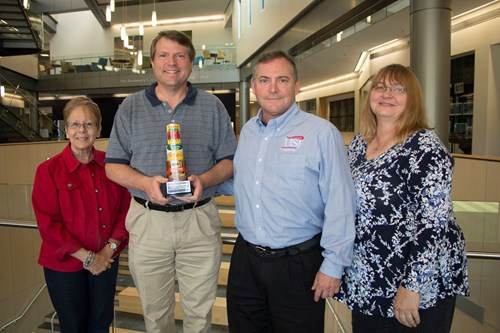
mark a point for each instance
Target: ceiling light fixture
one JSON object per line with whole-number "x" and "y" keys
{"x": 339, "y": 36}
{"x": 139, "y": 58}
{"x": 153, "y": 15}
{"x": 141, "y": 26}
{"x": 2, "y": 91}
{"x": 108, "y": 14}
{"x": 184, "y": 20}
{"x": 361, "y": 61}
{"x": 329, "y": 82}
{"x": 123, "y": 33}
{"x": 112, "y": 5}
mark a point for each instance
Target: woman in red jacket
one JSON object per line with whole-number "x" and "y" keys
{"x": 81, "y": 218}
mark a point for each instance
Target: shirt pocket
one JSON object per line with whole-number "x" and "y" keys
{"x": 289, "y": 171}
{"x": 69, "y": 197}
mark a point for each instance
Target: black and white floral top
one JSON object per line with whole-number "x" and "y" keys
{"x": 406, "y": 233}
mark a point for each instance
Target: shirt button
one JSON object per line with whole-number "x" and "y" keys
{"x": 257, "y": 206}
{"x": 96, "y": 190}
{"x": 266, "y": 138}
{"x": 92, "y": 174}
{"x": 103, "y": 226}
{"x": 70, "y": 185}
{"x": 257, "y": 182}
{"x": 260, "y": 159}
{"x": 100, "y": 209}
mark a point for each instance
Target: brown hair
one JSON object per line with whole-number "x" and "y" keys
{"x": 84, "y": 103}
{"x": 175, "y": 36}
{"x": 413, "y": 119}
{"x": 276, "y": 54}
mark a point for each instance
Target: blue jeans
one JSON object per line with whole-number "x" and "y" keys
{"x": 437, "y": 319}
{"x": 84, "y": 302}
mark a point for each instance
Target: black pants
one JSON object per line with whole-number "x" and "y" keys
{"x": 84, "y": 302}
{"x": 267, "y": 295}
{"x": 437, "y": 319}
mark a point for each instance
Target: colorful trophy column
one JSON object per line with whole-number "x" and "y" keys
{"x": 177, "y": 184}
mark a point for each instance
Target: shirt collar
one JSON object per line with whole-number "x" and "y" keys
{"x": 281, "y": 120}
{"x": 189, "y": 99}
{"x": 73, "y": 164}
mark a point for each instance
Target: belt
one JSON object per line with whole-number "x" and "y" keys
{"x": 172, "y": 208}
{"x": 265, "y": 251}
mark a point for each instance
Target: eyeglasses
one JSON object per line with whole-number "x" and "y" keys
{"x": 88, "y": 125}
{"x": 396, "y": 90}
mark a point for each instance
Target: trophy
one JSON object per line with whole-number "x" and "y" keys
{"x": 177, "y": 184}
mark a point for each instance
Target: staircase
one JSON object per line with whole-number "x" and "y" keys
{"x": 128, "y": 310}
{"x": 14, "y": 129}
{"x": 20, "y": 30}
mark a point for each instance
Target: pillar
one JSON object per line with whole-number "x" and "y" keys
{"x": 244, "y": 102}
{"x": 430, "y": 39}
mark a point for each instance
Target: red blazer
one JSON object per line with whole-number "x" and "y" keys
{"x": 77, "y": 206}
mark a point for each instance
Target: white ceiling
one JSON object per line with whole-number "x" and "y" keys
{"x": 334, "y": 61}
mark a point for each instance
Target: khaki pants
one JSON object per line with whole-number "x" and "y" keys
{"x": 186, "y": 244}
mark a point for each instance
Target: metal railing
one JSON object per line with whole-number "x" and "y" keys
{"x": 15, "y": 320}
{"x": 228, "y": 240}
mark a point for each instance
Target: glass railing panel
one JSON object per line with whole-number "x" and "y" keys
{"x": 478, "y": 313}
{"x": 21, "y": 105}
{"x": 211, "y": 57}
{"x": 480, "y": 222}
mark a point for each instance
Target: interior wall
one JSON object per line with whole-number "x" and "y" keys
{"x": 24, "y": 64}
{"x": 486, "y": 76}
{"x": 493, "y": 104}
{"x": 265, "y": 24}
{"x": 486, "y": 85}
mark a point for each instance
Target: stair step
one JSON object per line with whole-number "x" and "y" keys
{"x": 227, "y": 217}
{"x": 129, "y": 302}
{"x": 125, "y": 279}
{"x": 224, "y": 200}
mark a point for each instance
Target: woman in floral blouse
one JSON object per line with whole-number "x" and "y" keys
{"x": 409, "y": 258}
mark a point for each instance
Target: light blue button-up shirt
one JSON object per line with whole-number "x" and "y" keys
{"x": 292, "y": 181}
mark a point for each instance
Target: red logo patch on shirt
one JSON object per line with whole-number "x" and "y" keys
{"x": 292, "y": 142}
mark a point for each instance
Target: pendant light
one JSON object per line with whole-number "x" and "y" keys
{"x": 123, "y": 32}
{"x": 141, "y": 26}
{"x": 139, "y": 58}
{"x": 153, "y": 15}
{"x": 108, "y": 14}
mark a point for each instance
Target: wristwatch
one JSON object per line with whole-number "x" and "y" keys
{"x": 111, "y": 245}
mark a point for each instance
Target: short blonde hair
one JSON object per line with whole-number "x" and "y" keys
{"x": 84, "y": 103}
{"x": 413, "y": 119}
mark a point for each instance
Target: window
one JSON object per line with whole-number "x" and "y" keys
{"x": 342, "y": 113}
{"x": 249, "y": 13}
{"x": 238, "y": 18}
{"x": 461, "y": 103}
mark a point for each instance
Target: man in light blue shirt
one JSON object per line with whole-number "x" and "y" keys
{"x": 295, "y": 209}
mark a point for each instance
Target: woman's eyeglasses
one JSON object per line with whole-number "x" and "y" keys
{"x": 89, "y": 125}
{"x": 396, "y": 90}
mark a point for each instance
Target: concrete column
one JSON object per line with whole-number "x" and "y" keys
{"x": 430, "y": 40}
{"x": 244, "y": 102}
